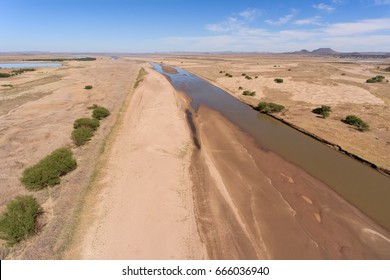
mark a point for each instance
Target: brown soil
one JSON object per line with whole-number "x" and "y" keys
{"x": 252, "y": 204}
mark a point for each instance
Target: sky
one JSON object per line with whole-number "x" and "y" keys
{"x": 144, "y": 26}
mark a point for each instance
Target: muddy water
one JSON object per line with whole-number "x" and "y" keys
{"x": 360, "y": 184}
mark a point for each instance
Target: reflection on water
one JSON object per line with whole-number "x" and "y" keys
{"x": 360, "y": 184}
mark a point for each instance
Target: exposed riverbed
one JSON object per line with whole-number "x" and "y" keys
{"x": 287, "y": 158}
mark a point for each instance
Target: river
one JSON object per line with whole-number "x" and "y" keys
{"x": 356, "y": 182}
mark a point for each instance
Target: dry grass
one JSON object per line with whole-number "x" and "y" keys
{"x": 24, "y": 134}
{"x": 81, "y": 221}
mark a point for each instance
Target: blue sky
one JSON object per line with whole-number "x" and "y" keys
{"x": 189, "y": 25}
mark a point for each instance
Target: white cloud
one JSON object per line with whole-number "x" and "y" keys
{"x": 308, "y": 21}
{"x": 282, "y": 20}
{"x": 230, "y": 25}
{"x": 359, "y": 27}
{"x": 250, "y": 13}
{"x": 324, "y": 7}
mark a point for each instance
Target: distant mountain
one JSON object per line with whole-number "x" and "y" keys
{"x": 324, "y": 51}
{"x": 331, "y": 52}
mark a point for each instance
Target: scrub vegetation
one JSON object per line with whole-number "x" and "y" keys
{"x": 100, "y": 112}
{"x": 18, "y": 221}
{"x": 357, "y": 122}
{"x": 48, "y": 171}
{"x": 268, "y": 108}
{"x": 249, "y": 93}
{"x": 278, "y": 80}
{"x": 324, "y": 111}
{"x": 82, "y": 135}
{"x": 376, "y": 79}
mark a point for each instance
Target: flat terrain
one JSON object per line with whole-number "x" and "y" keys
{"x": 36, "y": 117}
{"x": 144, "y": 190}
{"x": 309, "y": 82}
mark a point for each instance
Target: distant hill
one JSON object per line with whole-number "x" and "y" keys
{"x": 324, "y": 51}
{"x": 331, "y": 52}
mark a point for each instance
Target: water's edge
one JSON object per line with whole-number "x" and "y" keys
{"x": 357, "y": 180}
{"x": 336, "y": 147}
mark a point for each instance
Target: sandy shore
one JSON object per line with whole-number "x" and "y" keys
{"x": 309, "y": 82}
{"x": 145, "y": 210}
{"x": 252, "y": 204}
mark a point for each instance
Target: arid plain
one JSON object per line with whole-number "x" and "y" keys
{"x": 141, "y": 189}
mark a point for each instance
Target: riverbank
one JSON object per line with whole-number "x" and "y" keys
{"x": 308, "y": 83}
{"x": 144, "y": 209}
{"x": 261, "y": 206}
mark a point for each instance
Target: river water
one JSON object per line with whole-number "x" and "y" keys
{"x": 29, "y": 64}
{"x": 356, "y": 182}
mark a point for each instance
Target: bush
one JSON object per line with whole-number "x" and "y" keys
{"x": 48, "y": 171}
{"x": 228, "y": 75}
{"x": 239, "y": 88}
{"x": 86, "y": 123}
{"x": 387, "y": 69}
{"x": 323, "y": 111}
{"x": 88, "y": 87}
{"x": 100, "y": 112}
{"x": 248, "y": 77}
{"x": 376, "y": 79}
{"x": 18, "y": 220}
{"x": 249, "y": 93}
{"x": 5, "y": 75}
{"x": 357, "y": 122}
{"x": 82, "y": 135}
{"x": 267, "y": 108}
{"x": 278, "y": 80}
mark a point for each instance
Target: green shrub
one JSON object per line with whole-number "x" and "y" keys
{"x": 18, "y": 220}
{"x": 267, "y": 108}
{"x": 82, "y": 135}
{"x": 21, "y": 71}
{"x": 100, "y": 112}
{"x": 228, "y": 75}
{"x": 376, "y": 79}
{"x": 248, "y": 78}
{"x": 88, "y": 87}
{"x": 243, "y": 74}
{"x": 278, "y": 80}
{"x": 357, "y": 122}
{"x": 5, "y": 75}
{"x": 323, "y": 111}
{"x": 86, "y": 123}
{"x": 48, "y": 171}
{"x": 249, "y": 93}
